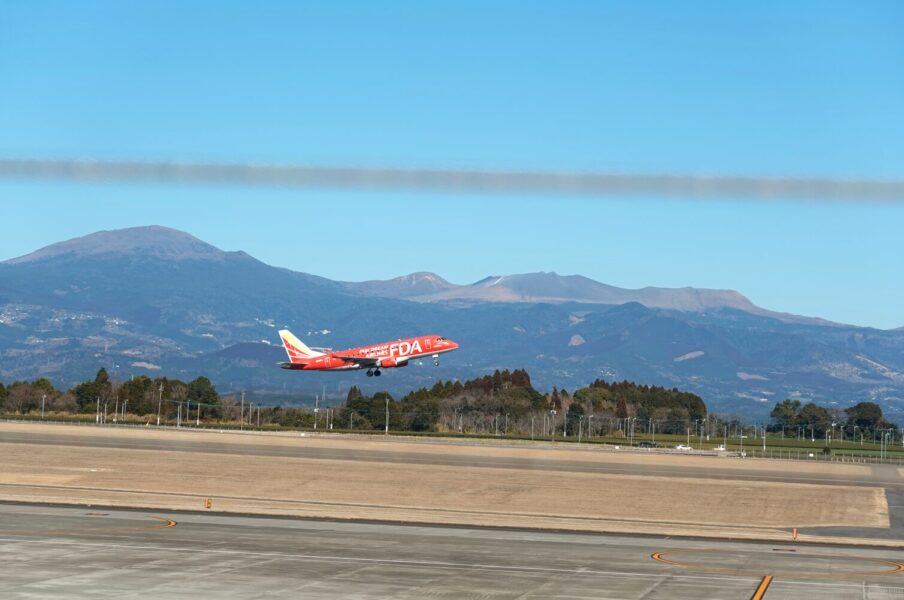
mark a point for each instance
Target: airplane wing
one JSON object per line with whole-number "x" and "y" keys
{"x": 364, "y": 361}
{"x": 291, "y": 366}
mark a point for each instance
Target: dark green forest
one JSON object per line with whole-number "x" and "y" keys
{"x": 503, "y": 403}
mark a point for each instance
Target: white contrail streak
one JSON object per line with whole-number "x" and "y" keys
{"x": 451, "y": 180}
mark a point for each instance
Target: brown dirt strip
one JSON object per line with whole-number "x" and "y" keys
{"x": 347, "y": 489}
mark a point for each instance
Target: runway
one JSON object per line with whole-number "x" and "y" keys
{"x": 212, "y": 443}
{"x": 59, "y": 552}
{"x": 453, "y": 482}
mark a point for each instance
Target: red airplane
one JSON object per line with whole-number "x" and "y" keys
{"x": 373, "y": 358}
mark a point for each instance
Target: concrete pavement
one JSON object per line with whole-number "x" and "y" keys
{"x": 57, "y": 552}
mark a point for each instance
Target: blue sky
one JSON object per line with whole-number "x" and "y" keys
{"x": 770, "y": 88}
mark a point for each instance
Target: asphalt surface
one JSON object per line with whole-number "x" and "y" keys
{"x": 59, "y": 552}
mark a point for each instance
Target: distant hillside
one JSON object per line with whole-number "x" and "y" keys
{"x": 144, "y": 242}
{"x": 155, "y": 301}
{"x": 406, "y": 286}
{"x": 554, "y": 288}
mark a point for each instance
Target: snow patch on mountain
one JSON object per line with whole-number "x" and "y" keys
{"x": 750, "y": 376}
{"x": 577, "y": 340}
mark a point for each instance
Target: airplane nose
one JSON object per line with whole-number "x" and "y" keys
{"x": 454, "y": 345}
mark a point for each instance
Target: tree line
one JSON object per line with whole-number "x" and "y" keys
{"x": 507, "y": 403}
{"x": 863, "y": 419}
{"x": 141, "y": 395}
{"x": 504, "y": 402}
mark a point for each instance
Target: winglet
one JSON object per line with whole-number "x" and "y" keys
{"x": 295, "y": 348}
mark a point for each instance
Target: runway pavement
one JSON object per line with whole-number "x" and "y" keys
{"x": 59, "y": 552}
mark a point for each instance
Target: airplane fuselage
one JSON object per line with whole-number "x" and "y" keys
{"x": 386, "y": 355}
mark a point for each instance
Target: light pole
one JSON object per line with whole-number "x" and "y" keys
{"x": 552, "y": 429}
{"x": 242, "y": 419}
{"x": 43, "y": 398}
{"x": 159, "y": 403}
{"x": 386, "y": 430}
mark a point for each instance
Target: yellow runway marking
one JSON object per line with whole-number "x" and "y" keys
{"x": 167, "y": 523}
{"x": 761, "y": 590}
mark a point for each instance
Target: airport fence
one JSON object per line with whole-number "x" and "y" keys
{"x": 890, "y": 456}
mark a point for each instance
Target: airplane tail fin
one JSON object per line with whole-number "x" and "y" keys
{"x": 296, "y": 349}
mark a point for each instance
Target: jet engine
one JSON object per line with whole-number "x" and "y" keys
{"x": 389, "y": 363}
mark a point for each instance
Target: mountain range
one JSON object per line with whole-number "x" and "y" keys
{"x": 153, "y": 300}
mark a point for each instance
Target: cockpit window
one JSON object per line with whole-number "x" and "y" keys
{"x": 440, "y": 339}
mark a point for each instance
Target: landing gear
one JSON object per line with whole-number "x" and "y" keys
{"x": 377, "y": 372}
{"x": 436, "y": 360}
{"x": 370, "y": 372}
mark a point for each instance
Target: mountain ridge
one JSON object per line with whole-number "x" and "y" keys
{"x": 537, "y": 287}
{"x": 163, "y": 242}
{"x": 187, "y": 308}
{"x": 550, "y": 287}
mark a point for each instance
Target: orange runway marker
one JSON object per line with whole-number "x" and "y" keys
{"x": 760, "y": 592}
